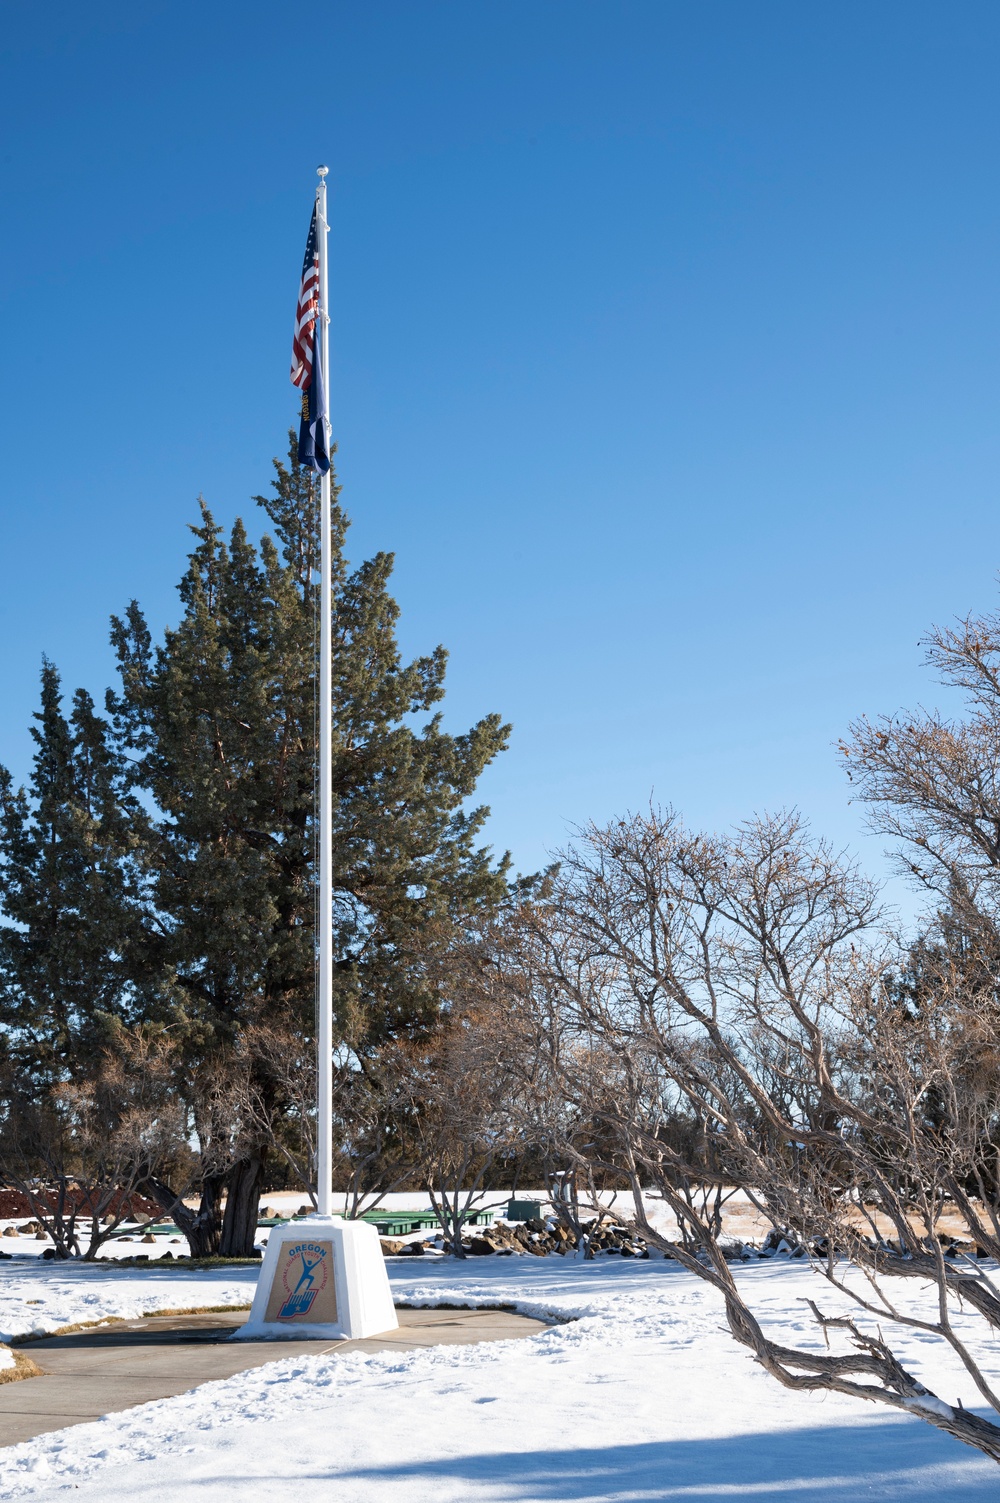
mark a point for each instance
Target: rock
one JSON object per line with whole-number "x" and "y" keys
{"x": 480, "y": 1247}
{"x": 390, "y": 1247}
{"x": 41, "y": 1236}
{"x": 176, "y": 1239}
{"x": 11, "y": 1231}
{"x": 412, "y": 1249}
{"x": 503, "y": 1239}
{"x": 777, "y": 1242}
{"x": 148, "y": 1238}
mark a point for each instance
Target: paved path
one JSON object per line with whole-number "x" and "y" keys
{"x": 91, "y": 1373}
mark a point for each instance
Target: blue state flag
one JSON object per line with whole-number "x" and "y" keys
{"x": 312, "y": 429}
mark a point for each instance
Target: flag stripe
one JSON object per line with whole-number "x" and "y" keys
{"x": 305, "y": 313}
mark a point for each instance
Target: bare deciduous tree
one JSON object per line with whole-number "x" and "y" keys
{"x": 725, "y": 1011}
{"x": 80, "y": 1150}
{"x": 932, "y": 785}
{"x": 462, "y": 1081}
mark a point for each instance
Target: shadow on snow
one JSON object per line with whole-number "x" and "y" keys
{"x": 904, "y": 1460}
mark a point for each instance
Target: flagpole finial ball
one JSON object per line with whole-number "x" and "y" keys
{"x": 322, "y": 171}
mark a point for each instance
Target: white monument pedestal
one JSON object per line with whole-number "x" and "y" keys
{"x": 322, "y": 1277}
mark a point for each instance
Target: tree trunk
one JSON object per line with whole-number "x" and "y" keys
{"x": 239, "y": 1226}
{"x": 202, "y": 1228}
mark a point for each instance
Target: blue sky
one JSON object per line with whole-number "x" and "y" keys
{"x": 666, "y": 357}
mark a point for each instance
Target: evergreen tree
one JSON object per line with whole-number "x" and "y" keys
{"x": 219, "y": 725}
{"x": 70, "y": 886}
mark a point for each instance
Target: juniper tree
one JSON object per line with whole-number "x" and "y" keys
{"x": 70, "y": 884}
{"x": 219, "y": 722}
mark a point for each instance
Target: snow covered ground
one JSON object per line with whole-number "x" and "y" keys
{"x": 641, "y": 1396}
{"x": 36, "y": 1298}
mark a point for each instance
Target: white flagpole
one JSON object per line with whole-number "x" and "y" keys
{"x": 324, "y": 1114}
{"x": 329, "y": 1283}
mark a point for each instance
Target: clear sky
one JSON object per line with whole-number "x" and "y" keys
{"x": 666, "y": 356}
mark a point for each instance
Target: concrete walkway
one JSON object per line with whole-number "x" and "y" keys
{"x": 92, "y": 1373}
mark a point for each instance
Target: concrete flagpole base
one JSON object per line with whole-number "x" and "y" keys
{"x": 325, "y": 1278}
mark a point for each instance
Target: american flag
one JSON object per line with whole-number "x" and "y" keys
{"x": 305, "y": 313}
